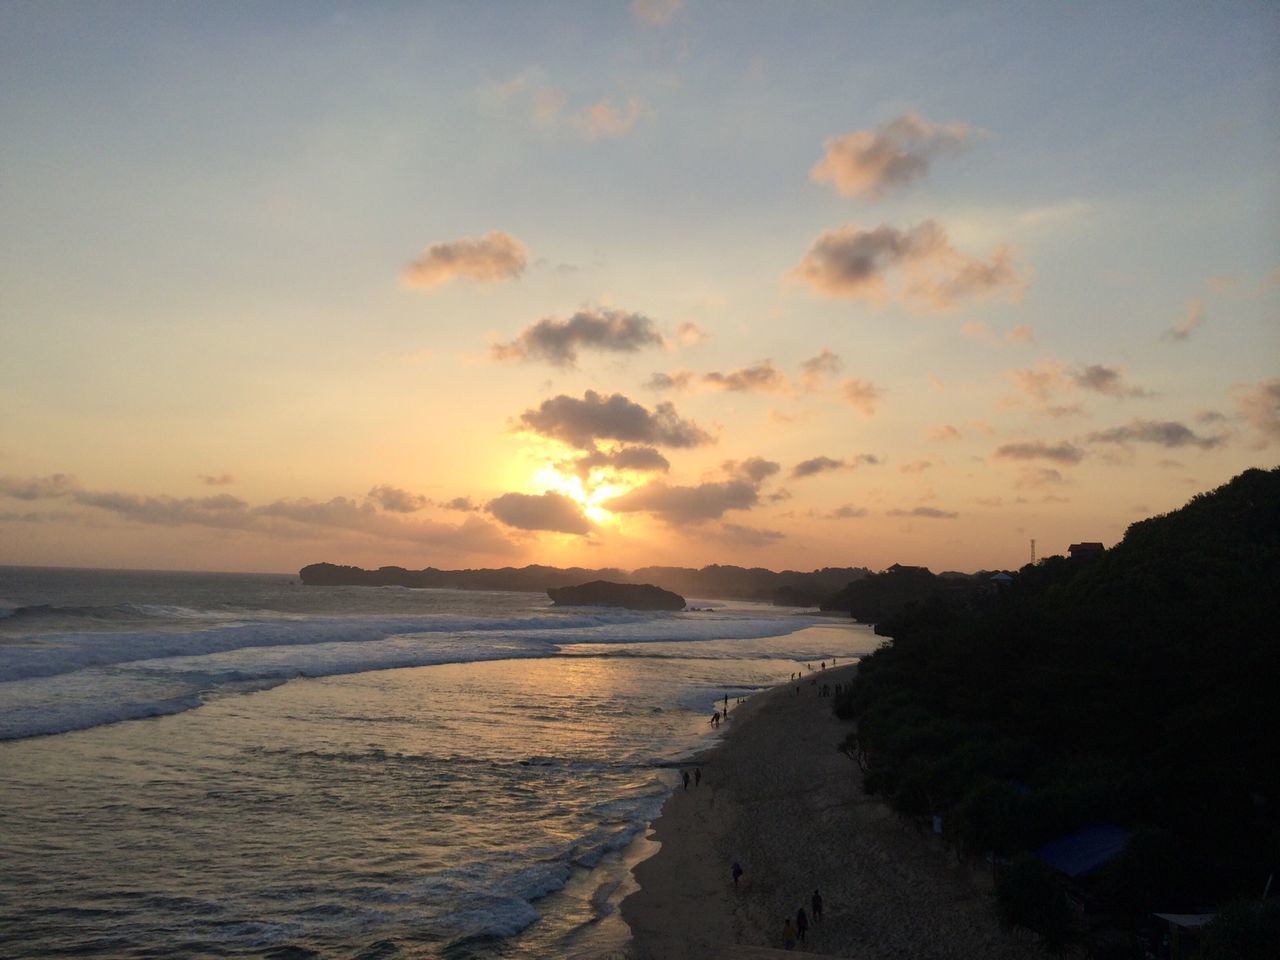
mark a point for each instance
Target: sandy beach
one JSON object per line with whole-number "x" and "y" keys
{"x": 778, "y": 798}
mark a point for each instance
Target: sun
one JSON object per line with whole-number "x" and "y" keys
{"x": 588, "y": 495}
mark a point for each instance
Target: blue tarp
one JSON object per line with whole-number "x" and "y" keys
{"x": 1088, "y": 848}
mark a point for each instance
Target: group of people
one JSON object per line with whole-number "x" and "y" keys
{"x": 697, "y": 777}
{"x": 799, "y": 931}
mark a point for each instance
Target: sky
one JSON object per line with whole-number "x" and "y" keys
{"x": 789, "y": 285}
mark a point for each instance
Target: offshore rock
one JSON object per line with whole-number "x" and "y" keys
{"x": 603, "y": 593}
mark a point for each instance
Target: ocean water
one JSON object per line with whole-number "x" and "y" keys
{"x": 217, "y": 765}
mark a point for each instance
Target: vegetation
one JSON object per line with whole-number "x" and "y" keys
{"x": 1136, "y": 688}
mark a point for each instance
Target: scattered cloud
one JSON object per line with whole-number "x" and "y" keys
{"x": 461, "y": 504}
{"x": 687, "y": 504}
{"x": 1165, "y": 433}
{"x": 690, "y": 334}
{"x": 637, "y": 459}
{"x": 216, "y": 479}
{"x": 816, "y": 465}
{"x": 1182, "y": 329}
{"x": 1041, "y": 381}
{"x": 847, "y": 512}
{"x": 1259, "y": 403}
{"x": 38, "y": 488}
{"x": 549, "y": 511}
{"x": 494, "y": 257}
{"x": 944, "y": 433}
{"x": 929, "y": 513}
{"x": 1108, "y": 380}
{"x": 862, "y": 395}
{"x": 1035, "y": 477}
{"x": 761, "y": 377}
{"x": 869, "y": 163}
{"x": 916, "y": 466}
{"x": 558, "y": 341}
{"x": 755, "y": 469}
{"x": 580, "y": 423}
{"x": 397, "y": 500}
{"x": 817, "y": 368}
{"x": 655, "y": 12}
{"x": 676, "y": 380}
{"x": 779, "y": 495}
{"x": 1062, "y": 452}
{"x": 740, "y": 536}
{"x": 857, "y": 264}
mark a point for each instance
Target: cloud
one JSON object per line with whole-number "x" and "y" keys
{"x": 816, "y": 465}
{"x": 929, "y": 513}
{"x": 856, "y": 264}
{"x": 847, "y": 512}
{"x": 461, "y": 504}
{"x": 655, "y": 12}
{"x": 1108, "y": 380}
{"x": 762, "y": 377}
{"x": 676, "y": 380}
{"x": 636, "y": 459}
{"x": 862, "y": 395}
{"x": 1259, "y": 403}
{"x": 1022, "y": 333}
{"x": 816, "y": 369}
{"x": 916, "y": 466}
{"x": 216, "y": 480}
{"x": 580, "y": 423}
{"x": 944, "y": 433}
{"x": 1040, "y": 382}
{"x": 38, "y": 488}
{"x": 687, "y": 504}
{"x": 1166, "y": 433}
{"x": 1062, "y": 452}
{"x": 691, "y": 334}
{"x": 397, "y": 500}
{"x": 869, "y": 163}
{"x": 603, "y": 121}
{"x": 739, "y": 536}
{"x": 755, "y": 469}
{"x": 494, "y": 257}
{"x": 558, "y": 341}
{"x": 1182, "y": 329}
{"x": 549, "y": 511}
{"x": 1034, "y": 477}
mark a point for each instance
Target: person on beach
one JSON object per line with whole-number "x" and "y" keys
{"x": 685, "y": 775}
{"x": 788, "y": 935}
{"x": 802, "y": 925}
{"x": 816, "y": 904}
{"x": 737, "y": 873}
{"x": 697, "y": 777}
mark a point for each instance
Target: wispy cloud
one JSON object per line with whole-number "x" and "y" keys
{"x": 1107, "y": 380}
{"x": 580, "y": 423}
{"x": 818, "y": 368}
{"x": 494, "y": 257}
{"x": 1259, "y": 403}
{"x": 760, "y": 377}
{"x": 1191, "y": 319}
{"x": 687, "y": 504}
{"x": 862, "y": 395}
{"x": 396, "y": 499}
{"x": 559, "y": 341}
{"x": 916, "y": 466}
{"x": 928, "y": 513}
{"x": 1062, "y": 452}
{"x": 869, "y": 163}
{"x": 1164, "y": 433}
{"x": 944, "y": 433}
{"x": 816, "y": 465}
{"x": 216, "y": 479}
{"x": 858, "y": 264}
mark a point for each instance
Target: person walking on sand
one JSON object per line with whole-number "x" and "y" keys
{"x": 685, "y": 775}
{"x": 697, "y": 777}
{"x": 788, "y": 935}
{"x": 802, "y": 925}
{"x": 816, "y": 904}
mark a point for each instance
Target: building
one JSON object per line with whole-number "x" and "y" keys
{"x": 1086, "y": 550}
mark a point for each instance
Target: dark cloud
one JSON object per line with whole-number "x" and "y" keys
{"x": 580, "y": 423}
{"x": 1062, "y": 452}
{"x": 1108, "y": 380}
{"x": 549, "y": 511}
{"x": 495, "y": 256}
{"x": 558, "y": 341}
{"x": 847, "y": 512}
{"x": 817, "y": 368}
{"x": 929, "y": 513}
{"x": 868, "y": 163}
{"x": 855, "y": 263}
{"x": 216, "y": 480}
{"x": 816, "y": 465}
{"x": 222, "y": 510}
{"x": 1164, "y": 433}
{"x": 677, "y": 380}
{"x": 397, "y": 500}
{"x": 755, "y": 469}
{"x": 762, "y": 376}
{"x": 779, "y": 495}
{"x": 681, "y": 505}
{"x": 1259, "y": 403}
{"x": 736, "y": 535}
{"x": 38, "y": 488}
{"x": 461, "y": 504}
{"x": 636, "y": 459}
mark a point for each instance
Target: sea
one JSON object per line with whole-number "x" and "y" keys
{"x": 237, "y": 765}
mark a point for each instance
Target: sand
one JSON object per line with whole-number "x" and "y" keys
{"x": 778, "y": 797}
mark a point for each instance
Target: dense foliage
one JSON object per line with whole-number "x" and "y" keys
{"x": 1138, "y": 688}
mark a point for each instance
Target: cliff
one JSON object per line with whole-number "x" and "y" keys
{"x": 602, "y": 593}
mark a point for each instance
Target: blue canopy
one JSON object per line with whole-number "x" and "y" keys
{"x": 1086, "y": 849}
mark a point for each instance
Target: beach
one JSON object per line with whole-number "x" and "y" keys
{"x": 778, "y": 798}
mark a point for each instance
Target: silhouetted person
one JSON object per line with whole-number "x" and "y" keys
{"x": 816, "y": 904}
{"x": 737, "y": 873}
{"x": 802, "y": 924}
{"x": 685, "y": 775}
{"x": 697, "y": 777}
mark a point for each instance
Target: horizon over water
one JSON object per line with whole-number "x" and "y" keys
{"x": 232, "y": 765}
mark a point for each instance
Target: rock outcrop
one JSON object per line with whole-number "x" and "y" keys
{"x": 603, "y": 593}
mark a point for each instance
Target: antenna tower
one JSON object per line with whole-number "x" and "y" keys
{"x": 1033, "y": 551}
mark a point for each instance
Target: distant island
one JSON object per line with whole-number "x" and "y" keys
{"x": 790, "y": 588}
{"x": 603, "y": 593}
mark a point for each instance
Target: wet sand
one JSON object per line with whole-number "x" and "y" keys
{"x": 778, "y": 797}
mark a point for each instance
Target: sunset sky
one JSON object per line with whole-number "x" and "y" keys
{"x": 615, "y": 284}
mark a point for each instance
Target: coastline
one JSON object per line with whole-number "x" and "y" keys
{"x": 778, "y": 797}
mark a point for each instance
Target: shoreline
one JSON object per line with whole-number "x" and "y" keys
{"x": 778, "y": 797}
